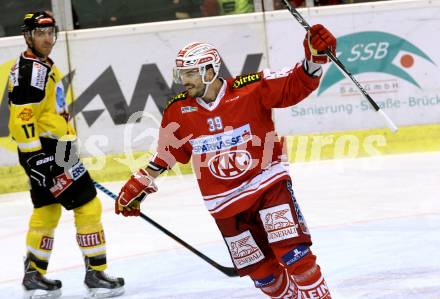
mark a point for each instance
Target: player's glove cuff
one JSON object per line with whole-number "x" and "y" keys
{"x": 311, "y": 68}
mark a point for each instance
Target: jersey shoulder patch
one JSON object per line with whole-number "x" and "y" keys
{"x": 179, "y": 97}
{"x": 28, "y": 79}
{"x": 243, "y": 80}
{"x": 39, "y": 75}
{"x": 270, "y": 75}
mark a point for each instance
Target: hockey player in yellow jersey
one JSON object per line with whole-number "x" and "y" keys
{"x": 40, "y": 125}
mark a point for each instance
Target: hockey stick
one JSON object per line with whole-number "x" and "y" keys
{"x": 344, "y": 70}
{"x": 231, "y": 272}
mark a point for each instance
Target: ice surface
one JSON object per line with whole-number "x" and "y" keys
{"x": 375, "y": 223}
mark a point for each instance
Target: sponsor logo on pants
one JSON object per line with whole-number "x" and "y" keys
{"x": 62, "y": 183}
{"x": 244, "y": 250}
{"x": 295, "y": 254}
{"x": 89, "y": 240}
{"x": 46, "y": 243}
{"x": 299, "y": 215}
{"x": 278, "y": 223}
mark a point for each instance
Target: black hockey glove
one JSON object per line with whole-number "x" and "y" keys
{"x": 40, "y": 169}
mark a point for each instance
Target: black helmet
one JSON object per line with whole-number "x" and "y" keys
{"x": 37, "y": 20}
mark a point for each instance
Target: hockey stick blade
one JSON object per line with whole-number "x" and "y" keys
{"x": 228, "y": 271}
{"x": 343, "y": 69}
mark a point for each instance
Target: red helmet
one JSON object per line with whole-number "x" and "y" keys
{"x": 197, "y": 55}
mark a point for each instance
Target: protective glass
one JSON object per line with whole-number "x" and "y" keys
{"x": 180, "y": 75}
{"x": 43, "y": 32}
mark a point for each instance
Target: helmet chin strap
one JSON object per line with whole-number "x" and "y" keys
{"x": 206, "y": 89}
{"x": 207, "y": 83}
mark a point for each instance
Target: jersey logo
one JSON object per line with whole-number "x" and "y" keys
{"x": 61, "y": 106}
{"x": 232, "y": 99}
{"x": 230, "y": 165}
{"x": 25, "y": 114}
{"x": 244, "y": 80}
{"x": 178, "y": 97}
{"x": 13, "y": 76}
{"x": 188, "y": 109}
{"x": 221, "y": 141}
{"x": 38, "y": 79}
{"x": 270, "y": 75}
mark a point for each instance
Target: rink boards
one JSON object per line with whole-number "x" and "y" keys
{"x": 115, "y": 72}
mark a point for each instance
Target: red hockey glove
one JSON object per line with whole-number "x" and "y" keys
{"x": 133, "y": 193}
{"x": 318, "y": 39}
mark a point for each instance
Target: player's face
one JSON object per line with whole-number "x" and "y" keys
{"x": 192, "y": 80}
{"x": 44, "y": 40}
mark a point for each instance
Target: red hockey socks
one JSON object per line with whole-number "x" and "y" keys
{"x": 308, "y": 278}
{"x": 279, "y": 286}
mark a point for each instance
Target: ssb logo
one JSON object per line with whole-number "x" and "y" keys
{"x": 230, "y": 165}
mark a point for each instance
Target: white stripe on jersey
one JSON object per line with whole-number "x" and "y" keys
{"x": 239, "y": 187}
{"x": 29, "y": 145}
{"x": 218, "y": 202}
{"x": 49, "y": 134}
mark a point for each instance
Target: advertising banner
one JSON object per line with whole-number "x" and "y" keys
{"x": 384, "y": 47}
{"x": 123, "y": 75}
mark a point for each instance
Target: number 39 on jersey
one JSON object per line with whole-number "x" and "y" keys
{"x": 215, "y": 124}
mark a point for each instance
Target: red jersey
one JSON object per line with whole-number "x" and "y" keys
{"x": 235, "y": 151}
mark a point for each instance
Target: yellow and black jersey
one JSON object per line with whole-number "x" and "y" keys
{"x": 38, "y": 119}
{"x": 37, "y": 103}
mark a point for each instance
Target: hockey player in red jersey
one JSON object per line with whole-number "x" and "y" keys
{"x": 225, "y": 127}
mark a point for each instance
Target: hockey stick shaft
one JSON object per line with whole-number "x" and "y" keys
{"x": 344, "y": 70}
{"x": 229, "y": 271}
